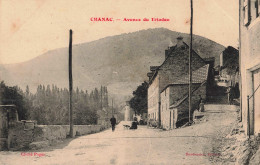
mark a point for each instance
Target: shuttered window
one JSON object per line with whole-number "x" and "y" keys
{"x": 258, "y": 7}
{"x": 246, "y": 12}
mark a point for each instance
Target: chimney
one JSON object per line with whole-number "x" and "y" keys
{"x": 167, "y": 52}
{"x": 179, "y": 42}
{"x": 150, "y": 75}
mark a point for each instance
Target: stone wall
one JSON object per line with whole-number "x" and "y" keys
{"x": 174, "y": 93}
{"x": 21, "y": 137}
{"x": 183, "y": 108}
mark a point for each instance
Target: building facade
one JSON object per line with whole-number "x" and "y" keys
{"x": 174, "y": 97}
{"x": 229, "y": 67}
{"x": 176, "y": 65}
{"x": 249, "y": 24}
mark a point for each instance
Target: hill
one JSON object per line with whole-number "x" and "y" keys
{"x": 119, "y": 62}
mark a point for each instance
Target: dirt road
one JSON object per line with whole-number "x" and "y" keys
{"x": 189, "y": 145}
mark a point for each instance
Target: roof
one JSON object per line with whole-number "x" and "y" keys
{"x": 198, "y": 76}
{"x": 171, "y": 51}
{"x": 180, "y": 101}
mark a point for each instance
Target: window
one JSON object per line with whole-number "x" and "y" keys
{"x": 246, "y": 12}
{"x": 253, "y": 4}
{"x": 258, "y": 7}
{"x": 251, "y": 10}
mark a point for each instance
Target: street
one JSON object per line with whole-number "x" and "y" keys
{"x": 189, "y": 145}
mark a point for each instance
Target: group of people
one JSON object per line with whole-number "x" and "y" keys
{"x": 230, "y": 93}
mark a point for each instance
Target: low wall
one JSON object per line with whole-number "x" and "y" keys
{"x": 57, "y": 132}
{"x": 21, "y": 137}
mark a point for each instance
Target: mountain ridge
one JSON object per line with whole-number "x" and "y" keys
{"x": 119, "y": 62}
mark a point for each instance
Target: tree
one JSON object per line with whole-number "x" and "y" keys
{"x": 27, "y": 91}
{"x": 49, "y": 105}
{"x": 13, "y": 95}
{"x": 139, "y": 102}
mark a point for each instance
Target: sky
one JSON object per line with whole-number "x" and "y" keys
{"x": 30, "y": 28}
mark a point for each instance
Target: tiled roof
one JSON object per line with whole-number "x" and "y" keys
{"x": 171, "y": 53}
{"x": 180, "y": 101}
{"x": 198, "y": 76}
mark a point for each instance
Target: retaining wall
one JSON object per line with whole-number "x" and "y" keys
{"x": 21, "y": 137}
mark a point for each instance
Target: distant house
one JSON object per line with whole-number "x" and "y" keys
{"x": 250, "y": 65}
{"x": 176, "y": 65}
{"x": 128, "y": 112}
{"x": 174, "y": 97}
{"x": 229, "y": 64}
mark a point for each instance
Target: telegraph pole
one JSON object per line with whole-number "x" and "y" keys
{"x": 190, "y": 59}
{"x": 70, "y": 85}
{"x": 112, "y": 108}
{"x": 101, "y": 91}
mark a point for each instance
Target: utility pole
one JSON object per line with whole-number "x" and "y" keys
{"x": 70, "y": 85}
{"x": 101, "y": 91}
{"x": 112, "y": 108}
{"x": 190, "y": 59}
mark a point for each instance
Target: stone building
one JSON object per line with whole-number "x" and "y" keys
{"x": 128, "y": 112}
{"x": 229, "y": 64}
{"x": 174, "y": 97}
{"x": 249, "y": 24}
{"x": 175, "y": 65}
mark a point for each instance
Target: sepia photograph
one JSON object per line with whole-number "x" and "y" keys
{"x": 130, "y": 82}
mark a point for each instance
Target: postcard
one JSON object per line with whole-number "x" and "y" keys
{"x": 129, "y": 82}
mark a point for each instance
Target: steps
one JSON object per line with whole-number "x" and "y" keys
{"x": 217, "y": 99}
{"x": 225, "y": 107}
{"x": 217, "y": 95}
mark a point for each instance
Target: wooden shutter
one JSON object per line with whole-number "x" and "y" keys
{"x": 246, "y": 12}
{"x": 258, "y": 7}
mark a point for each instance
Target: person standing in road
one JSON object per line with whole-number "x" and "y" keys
{"x": 201, "y": 106}
{"x": 200, "y": 99}
{"x": 230, "y": 93}
{"x": 113, "y": 123}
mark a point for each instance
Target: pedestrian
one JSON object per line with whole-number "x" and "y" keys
{"x": 201, "y": 106}
{"x": 113, "y": 123}
{"x": 200, "y": 99}
{"x": 230, "y": 93}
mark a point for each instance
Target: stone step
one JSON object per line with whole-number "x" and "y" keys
{"x": 213, "y": 107}
{"x": 217, "y": 99}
